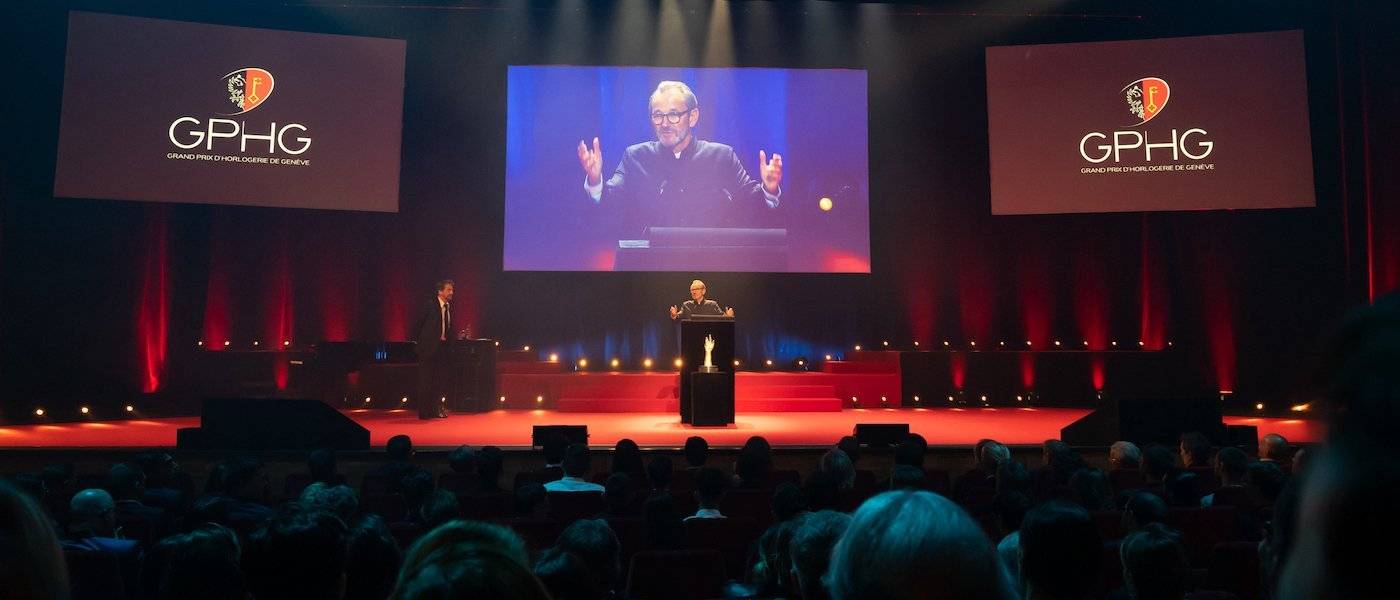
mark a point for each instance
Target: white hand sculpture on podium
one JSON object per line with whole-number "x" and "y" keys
{"x": 709, "y": 347}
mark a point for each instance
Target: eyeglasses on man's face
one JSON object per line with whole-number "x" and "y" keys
{"x": 672, "y": 117}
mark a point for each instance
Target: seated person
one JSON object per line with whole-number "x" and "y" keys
{"x": 576, "y": 464}
{"x": 710, "y": 486}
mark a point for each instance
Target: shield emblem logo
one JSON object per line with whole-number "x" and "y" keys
{"x": 247, "y": 88}
{"x": 1146, "y": 98}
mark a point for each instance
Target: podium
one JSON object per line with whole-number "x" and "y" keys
{"x": 472, "y": 384}
{"x": 707, "y": 398}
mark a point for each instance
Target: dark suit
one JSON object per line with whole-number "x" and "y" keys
{"x": 706, "y": 307}
{"x": 429, "y": 331}
{"x": 706, "y": 187}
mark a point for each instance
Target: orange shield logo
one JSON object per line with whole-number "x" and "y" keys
{"x": 1146, "y": 98}
{"x": 247, "y": 88}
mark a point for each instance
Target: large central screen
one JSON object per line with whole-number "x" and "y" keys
{"x": 1197, "y": 123}
{"x": 686, "y": 169}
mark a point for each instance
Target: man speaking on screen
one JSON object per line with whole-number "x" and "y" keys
{"x": 679, "y": 179}
{"x": 698, "y": 304}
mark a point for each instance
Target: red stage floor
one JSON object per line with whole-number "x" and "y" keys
{"x": 940, "y": 426}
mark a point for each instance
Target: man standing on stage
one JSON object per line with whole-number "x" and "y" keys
{"x": 698, "y": 304}
{"x": 680, "y": 180}
{"x": 432, "y": 331}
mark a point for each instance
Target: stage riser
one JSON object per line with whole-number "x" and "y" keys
{"x": 648, "y": 392}
{"x": 742, "y": 405}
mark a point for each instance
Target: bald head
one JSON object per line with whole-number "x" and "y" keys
{"x": 93, "y": 513}
{"x": 1273, "y": 447}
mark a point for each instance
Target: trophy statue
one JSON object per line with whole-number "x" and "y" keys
{"x": 709, "y": 366}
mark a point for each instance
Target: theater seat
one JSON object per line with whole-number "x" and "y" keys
{"x": 756, "y": 505}
{"x": 539, "y": 534}
{"x": 293, "y": 485}
{"x": 454, "y": 482}
{"x": 567, "y": 507}
{"x": 389, "y": 506}
{"x": 731, "y": 537}
{"x": 1234, "y": 567}
{"x": 485, "y": 505}
{"x": 676, "y": 575}
{"x": 1124, "y": 480}
{"x": 1109, "y": 523}
{"x": 1203, "y": 528}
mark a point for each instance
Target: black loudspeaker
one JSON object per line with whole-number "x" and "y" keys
{"x": 1244, "y": 437}
{"x": 1147, "y": 421}
{"x": 881, "y": 434}
{"x": 575, "y": 434}
{"x": 272, "y": 424}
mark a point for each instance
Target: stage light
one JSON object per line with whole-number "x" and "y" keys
{"x": 824, "y": 204}
{"x": 582, "y": 363}
{"x": 857, "y": 347}
{"x": 38, "y": 412}
{"x": 130, "y": 408}
{"x": 286, "y": 343}
{"x": 527, "y": 348}
{"x": 646, "y": 363}
{"x": 615, "y": 363}
{"x": 84, "y": 410}
{"x": 1001, "y": 343}
{"x": 768, "y": 362}
{"x": 200, "y": 343}
{"x": 1113, "y": 343}
{"x": 1301, "y": 407}
{"x": 950, "y": 398}
{"x": 1140, "y": 343}
{"x": 1028, "y": 342}
{"x": 366, "y": 399}
{"x": 539, "y": 399}
{"x": 403, "y": 400}
{"x": 736, "y": 362}
{"x": 973, "y": 343}
{"x": 1086, "y": 343}
{"x": 1019, "y": 398}
{"x": 984, "y": 398}
{"x": 1169, "y": 343}
{"x": 678, "y": 362}
{"x": 498, "y": 343}
{"x": 916, "y": 398}
{"x": 227, "y": 343}
{"x": 916, "y": 344}
{"x": 801, "y": 362}
{"x": 553, "y": 358}
{"x": 1057, "y": 342}
{"x": 442, "y": 399}
{"x": 886, "y": 343}
{"x": 256, "y": 343}
{"x": 945, "y": 343}
{"x": 503, "y": 399}
{"x": 1259, "y": 406}
{"x": 828, "y": 357}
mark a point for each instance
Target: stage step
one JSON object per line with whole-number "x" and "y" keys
{"x": 757, "y": 404}
{"x": 617, "y": 405}
{"x": 743, "y": 390}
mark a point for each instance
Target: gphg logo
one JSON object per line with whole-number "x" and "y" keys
{"x": 246, "y": 89}
{"x": 1146, "y": 98}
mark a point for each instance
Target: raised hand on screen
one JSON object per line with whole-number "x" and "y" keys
{"x": 674, "y": 313}
{"x": 770, "y": 171}
{"x": 591, "y": 159}
{"x": 729, "y": 312}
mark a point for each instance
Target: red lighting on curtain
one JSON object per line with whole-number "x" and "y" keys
{"x": 1027, "y": 370}
{"x": 1091, "y": 297}
{"x": 957, "y": 365}
{"x": 1096, "y": 371}
{"x": 1152, "y": 294}
{"x": 216, "y": 297}
{"x": 1036, "y": 297}
{"x": 976, "y": 302}
{"x": 153, "y": 310}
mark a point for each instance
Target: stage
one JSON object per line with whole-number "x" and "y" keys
{"x": 511, "y": 428}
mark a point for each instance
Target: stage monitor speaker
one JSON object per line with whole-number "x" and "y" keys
{"x": 575, "y": 434}
{"x": 1147, "y": 421}
{"x": 881, "y": 434}
{"x": 273, "y": 424}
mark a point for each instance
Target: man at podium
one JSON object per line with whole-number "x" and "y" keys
{"x": 698, "y": 304}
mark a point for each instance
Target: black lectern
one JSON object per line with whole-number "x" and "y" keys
{"x": 472, "y": 385}
{"x": 716, "y": 406}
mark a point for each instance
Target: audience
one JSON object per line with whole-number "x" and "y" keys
{"x": 595, "y": 543}
{"x": 710, "y": 487}
{"x": 463, "y": 559}
{"x": 1059, "y": 549}
{"x": 321, "y": 465}
{"x": 1124, "y": 455}
{"x": 297, "y": 555}
{"x": 697, "y": 452}
{"x": 618, "y": 496}
{"x": 398, "y": 454}
{"x": 1091, "y": 489}
{"x": 659, "y": 475}
{"x": 576, "y": 464}
{"x": 372, "y": 559}
{"x": 1142, "y": 509}
{"x": 1231, "y": 465}
{"x": 127, "y": 485}
{"x": 203, "y": 563}
{"x": 1194, "y": 449}
{"x": 809, "y": 551}
{"x": 1273, "y": 448}
{"x": 31, "y": 561}
{"x": 905, "y": 477}
{"x": 627, "y": 458}
{"x": 1154, "y": 564}
{"x": 907, "y": 545}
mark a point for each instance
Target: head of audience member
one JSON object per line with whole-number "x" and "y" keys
{"x": 1142, "y": 509}
{"x": 1194, "y": 449}
{"x": 811, "y": 540}
{"x": 207, "y": 509}
{"x": 467, "y": 559}
{"x": 710, "y": 487}
{"x": 92, "y": 513}
{"x": 415, "y": 487}
{"x": 216, "y": 482}
{"x": 372, "y": 559}
{"x": 59, "y": 478}
{"x": 1157, "y": 462}
{"x": 160, "y": 468}
{"x": 838, "y": 464}
{"x": 531, "y": 500}
{"x": 1155, "y": 566}
{"x": 1267, "y": 479}
{"x": 627, "y": 458}
{"x": 993, "y": 454}
{"x": 910, "y": 451}
{"x": 462, "y": 460}
{"x": 759, "y": 445}
{"x": 617, "y": 493}
{"x": 203, "y": 563}
{"x": 1061, "y": 458}
{"x": 399, "y": 448}
{"x": 1124, "y": 455}
{"x": 577, "y": 461}
{"x": 662, "y": 522}
{"x": 1060, "y": 551}
{"x": 31, "y": 560}
{"x": 299, "y": 554}
{"x": 554, "y": 446}
{"x": 905, "y": 477}
{"x": 566, "y": 576}
{"x": 751, "y": 469}
{"x": 787, "y": 502}
{"x": 125, "y": 481}
{"x": 904, "y": 544}
{"x": 340, "y": 500}
{"x": 1349, "y": 494}
{"x": 439, "y": 507}
{"x": 594, "y": 541}
{"x": 1013, "y": 475}
{"x": 490, "y": 462}
{"x": 321, "y": 464}
{"x": 247, "y": 480}
{"x": 1273, "y": 448}
{"x": 1183, "y": 489}
{"x": 851, "y": 447}
{"x": 1230, "y": 465}
{"x": 696, "y": 451}
{"x": 659, "y": 473}
{"x": 771, "y": 569}
{"x": 1091, "y": 489}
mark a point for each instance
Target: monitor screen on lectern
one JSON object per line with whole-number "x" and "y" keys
{"x": 686, "y": 169}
